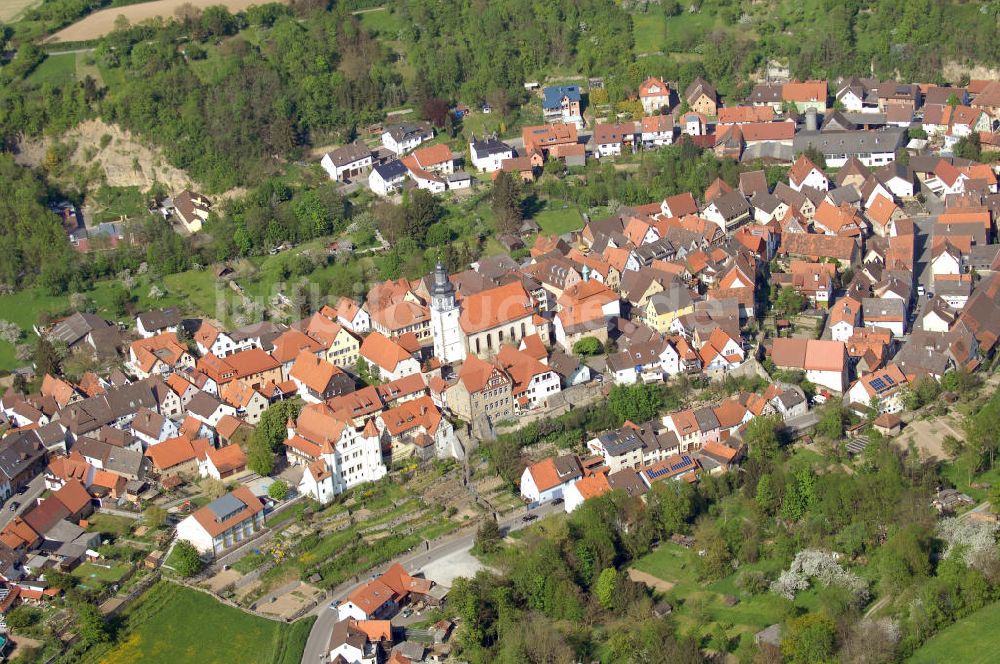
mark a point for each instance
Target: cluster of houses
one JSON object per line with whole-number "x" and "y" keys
{"x": 189, "y": 210}
{"x": 364, "y": 633}
{"x": 681, "y": 446}
{"x": 418, "y": 368}
{"x": 855, "y": 119}
{"x": 400, "y": 163}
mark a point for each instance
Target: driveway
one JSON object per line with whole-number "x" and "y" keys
{"x": 26, "y": 500}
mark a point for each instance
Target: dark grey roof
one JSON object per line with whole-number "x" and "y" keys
{"x": 118, "y": 402}
{"x": 618, "y": 443}
{"x": 706, "y": 419}
{"x": 391, "y": 170}
{"x": 848, "y": 194}
{"x": 983, "y": 256}
{"x": 766, "y": 93}
{"x": 924, "y": 353}
{"x": 225, "y": 507}
{"x": 19, "y": 451}
{"x": 567, "y": 468}
{"x": 766, "y": 202}
{"x": 203, "y": 404}
{"x": 159, "y": 319}
{"x": 51, "y": 434}
{"x": 768, "y": 150}
{"x": 349, "y": 154}
{"x": 404, "y": 130}
{"x": 661, "y": 249}
{"x": 731, "y": 205}
{"x": 861, "y": 118}
{"x": 883, "y": 307}
{"x": 489, "y": 147}
{"x": 627, "y": 480}
{"x": 267, "y": 331}
{"x": 72, "y": 329}
{"x": 850, "y": 142}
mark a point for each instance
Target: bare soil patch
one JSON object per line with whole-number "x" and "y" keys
{"x": 928, "y": 435}
{"x": 101, "y": 23}
{"x": 653, "y": 582}
{"x": 11, "y": 9}
{"x": 289, "y": 604}
{"x": 223, "y": 579}
{"x": 124, "y": 160}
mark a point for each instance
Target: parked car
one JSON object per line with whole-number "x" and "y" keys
{"x": 557, "y": 501}
{"x": 23, "y": 490}
{"x": 14, "y": 505}
{"x": 528, "y": 518}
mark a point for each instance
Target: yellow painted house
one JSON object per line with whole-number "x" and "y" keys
{"x": 343, "y": 351}
{"x": 663, "y": 308}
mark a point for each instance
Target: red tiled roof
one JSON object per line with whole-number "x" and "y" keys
{"x": 496, "y": 306}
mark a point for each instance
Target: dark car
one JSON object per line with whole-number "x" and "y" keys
{"x": 23, "y": 490}
{"x": 528, "y": 518}
{"x": 14, "y": 505}
{"x": 557, "y": 501}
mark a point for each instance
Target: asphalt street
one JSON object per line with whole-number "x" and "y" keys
{"x": 24, "y": 501}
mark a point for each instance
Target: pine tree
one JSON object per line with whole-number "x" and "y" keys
{"x": 47, "y": 360}
{"x": 506, "y": 203}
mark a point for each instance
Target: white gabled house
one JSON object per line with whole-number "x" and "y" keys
{"x": 386, "y": 179}
{"x": 546, "y": 480}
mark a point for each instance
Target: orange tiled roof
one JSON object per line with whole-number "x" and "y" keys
{"x": 313, "y": 372}
{"x": 490, "y": 308}
{"x": 171, "y": 452}
{"x": 382, "y": 351}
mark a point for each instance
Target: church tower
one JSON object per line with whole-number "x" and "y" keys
{"x": 449, "y": 342}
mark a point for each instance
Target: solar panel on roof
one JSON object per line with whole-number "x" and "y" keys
{"x": 656, "y": 474}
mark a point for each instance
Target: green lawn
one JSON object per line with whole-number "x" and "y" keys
{"x": 648, "y": 31}
{"x": 111, "y": 574}
{"x": 193, "y": 291}
{"x": 55, "y": 70}
{"x": 116, "y": 202}
{"x": 559, "y": 218}
{"x": 974, "y": 639}
{"x": 110, "y": 524}
{"x": 698, "y": 604}
{"x": 172, "y": 624}
{"x": 385, "y": 22}
{"x": 957, "y": 472}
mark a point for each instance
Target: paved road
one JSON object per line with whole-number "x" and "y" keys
{"x": 26, "y": 500}
{"x": 317, "y": 647}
